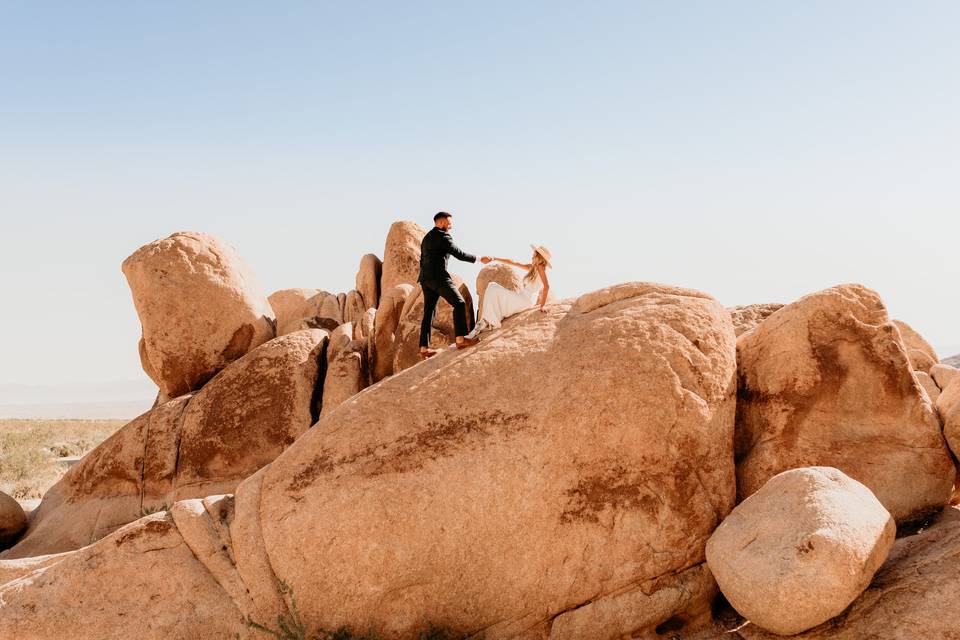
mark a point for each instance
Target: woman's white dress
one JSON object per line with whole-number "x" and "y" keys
{"x": 500, "y": 303}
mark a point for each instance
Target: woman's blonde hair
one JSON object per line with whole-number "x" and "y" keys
{"x": 537, "y": 260}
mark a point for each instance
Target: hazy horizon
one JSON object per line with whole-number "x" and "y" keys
{"x": 754, "y": 152}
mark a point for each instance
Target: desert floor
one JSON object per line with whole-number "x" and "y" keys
{"x": 35, "y": 453}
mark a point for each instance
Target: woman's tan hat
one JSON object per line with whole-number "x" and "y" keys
{"x": 543, "y": 251}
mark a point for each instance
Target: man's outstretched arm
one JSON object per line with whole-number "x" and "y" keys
{"x": 458, "y": 253}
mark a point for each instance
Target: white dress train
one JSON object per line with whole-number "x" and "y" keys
{"x": 500, "y": 303}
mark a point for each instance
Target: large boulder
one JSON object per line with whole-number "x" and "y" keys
{"x": 406, "y": 352}
{"x": 825, "y": 381}
{"x": 401, "y": 255}
{"x": 921, "y": 354}
{"x": 200, "y": 308}
{"x": 916, "y": 594}
{"x": 801, "y": 549}
{"x": 368, "y": 279}
{"x": 192, "y": 446}
{"x": 567, "y": 469}
{"x": 12, "y": 520}
{"x": 504, "y": 275}
{"x": 385, "y": 326}
{"x": 747, "y": 317}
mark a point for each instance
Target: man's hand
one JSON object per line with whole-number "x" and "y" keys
{"x": 486, "y": 259}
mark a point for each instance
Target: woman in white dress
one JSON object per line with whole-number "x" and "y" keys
{"x": 500, "y": 303}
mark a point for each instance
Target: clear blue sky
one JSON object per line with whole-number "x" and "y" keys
{"x": 757, "y": 151}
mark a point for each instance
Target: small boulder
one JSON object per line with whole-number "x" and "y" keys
{"x": 801, "y": 549}
{"x": 321, "y": 310}
{"x": 368, "y": 279}
{"x": 913, "y": 341}
{"x": 943, "y": 374}
{"x": 12, "y": 520}
{"x": 747, "y": 317}
{"x": 200, "y": 308}
{"x": 401, "y": 255}
{"x": 948, "y": 406}
{"x": 504, "y": 275}
{"x": 354, "y": 307}
{"x": 929, "y": 386}
{"x": 287, "y": 304}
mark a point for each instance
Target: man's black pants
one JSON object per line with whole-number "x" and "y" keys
{"x": 432, "y": 292}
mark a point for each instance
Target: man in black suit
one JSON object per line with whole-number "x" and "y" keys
{"x": 436, "y": 246}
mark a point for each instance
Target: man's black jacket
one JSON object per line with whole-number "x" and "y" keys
{"x": 434, "y": 249}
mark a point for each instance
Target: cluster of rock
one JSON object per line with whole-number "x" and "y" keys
{"x": 602, "y": 470}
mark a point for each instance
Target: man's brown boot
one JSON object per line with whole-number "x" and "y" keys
{"x": 463, "y": 343}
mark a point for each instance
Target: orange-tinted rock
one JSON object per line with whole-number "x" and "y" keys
{"x": 200, "y": 308}
{"x": 192, "y": 446}
{"x": 401, "y": 255}
{"x": 368, "y": 279}
{"x": 825, "y": 381}
{"x": 385, "y": 326}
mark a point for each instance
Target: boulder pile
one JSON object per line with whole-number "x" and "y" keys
{"x": 600, "y": 471}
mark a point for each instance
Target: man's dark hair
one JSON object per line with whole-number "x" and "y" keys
{"x": 440, "y": 216}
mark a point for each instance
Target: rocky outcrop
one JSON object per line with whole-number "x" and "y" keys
{"x": 200, "y": 308}
{"x": 407, "y": 338}
{"x": 825, "y": 381}
{"x": 12, "y": 520}
{"x": 801, "y": 549}
{"x": 504, "y": 275}
{"x": 747, "y": 317}
{"x": 401, "y": 255}
{"x": 189, "y": 447}
{"x": 368, "y": 279}
{"x": 385, "y": 326}
{"x": 568, "y": 495}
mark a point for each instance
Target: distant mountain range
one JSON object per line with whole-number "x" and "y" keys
{"x": 123, "y": 399}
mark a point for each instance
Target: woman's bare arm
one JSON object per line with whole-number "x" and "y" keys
{"x": 542, "y": 300}
{"x": 518, "y": 265}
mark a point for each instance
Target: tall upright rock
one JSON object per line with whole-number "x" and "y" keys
{"x": 368, "y": 279}
{"x": 385, "y": 324}
{"x": 401, "y": 255}
{"x": 200, "y": 307}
